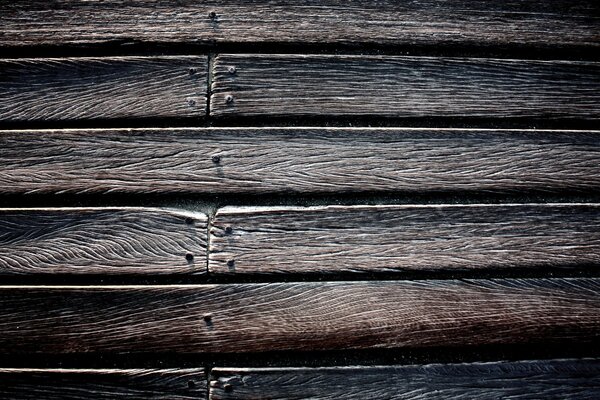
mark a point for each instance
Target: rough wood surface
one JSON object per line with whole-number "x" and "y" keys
{"x": 329, "y": 239}
{"x": 102, "y": 88}
{"x": 231, "y": 318}
{"x": 548, "y": 379}
{"x": 397, "y": 86}
{"x": 99, "y": 384}
{"x": 101, "y": 241}
{"x": 310, "y": 160}
{"x": 555, "y": 23}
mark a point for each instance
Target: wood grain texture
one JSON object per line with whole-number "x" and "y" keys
{"x": 284, "y": 160}
{"x": 84, "y": 384}
{"x": 230, "y": 318}
{"x": 102, "y": 88}
{"x": 548, "y": 379}
{"x": 115, "y": 241}
{"x": 397, "y": 86}
{"x": 367, "y": 239}
{"x": 520, "y": 22}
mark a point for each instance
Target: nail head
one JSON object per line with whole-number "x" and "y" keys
{"x": 232, "y": 70}
{"x": 227, "y": 387}
{"x": 230, "y": 263}
{"x": 212, "y": 15}
{"x": 216, "y": 159}
{"x": 229, "y": 230}
{"x": 189, "y": 256}
{"x": 229, "y": 99}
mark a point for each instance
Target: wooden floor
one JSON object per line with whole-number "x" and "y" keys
{"x": 300, "y": 199}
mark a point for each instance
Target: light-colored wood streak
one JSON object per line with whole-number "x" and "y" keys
{"x": 114, "y": 241}
{"x": 398, "y": 86}
{"x": 541, "y": 23}
{"x": 230, "y": 318}
{"x": 304, "y": 160}
{"x": 544, "y": 379}
{"x": 49, "y": 89}
{"x": 331, "y": 239}
{"x": 103, "y": 384}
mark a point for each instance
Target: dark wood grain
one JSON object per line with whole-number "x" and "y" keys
{"x": 115, "y": 241}
{"x": 548, "y": 379}
{"x": 93, "y": 384}
{"x": 540, "y": 23}
{"x": 102, "y": 88}
{"x": 396, "y": 86}
{"x": 329, "y": 239}
{"x": 310, "y": 160}
{"x": 230, "y": 318}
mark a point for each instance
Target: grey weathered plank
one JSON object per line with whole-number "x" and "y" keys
{"x": 49, "y": 89}
{"x": 309, "y": 160}
{"x": 231, "y": 318}
{"x": 540, "y": 23}
{"x": 102, "y": 241}
{"x": 544, "y": 379}
{"x": 397, "y": 86}
{"x": 84, "y": 384}
{"x": 329, "y": 239}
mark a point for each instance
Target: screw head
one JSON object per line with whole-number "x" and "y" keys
{"x": 232, "y": 70}
{"x": 192, "y": 102}
{"x": 229, "y": 99}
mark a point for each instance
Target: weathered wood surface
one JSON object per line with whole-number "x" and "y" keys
{"x": 398, "y": 86}
{"x": 49, "y": 89}
{"x": 298, "y": 316}
{"x": 330, "y": 239}
{"x": 115, "y": 241}
{"x": 554, "y": 23}
{"x": 548, "y": 379}
{"x": 310, "y": 160}
{"x": 92, "y": 384}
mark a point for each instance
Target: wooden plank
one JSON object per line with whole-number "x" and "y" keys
{"x": 115, "y": 241}
{"x": 102, "y": 88}
{"x": 83, "y": 384}
{"x": 397, "y": 86}
{"x": 553, "y": 23}
{"x": 367, "y": 239}
{"x": 239, "y": 318}
{"x": 547, "y": 379}
{"x": 309, "y": 160}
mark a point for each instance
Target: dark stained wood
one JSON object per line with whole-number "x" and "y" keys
{"x": 92, "y": 384}
{"x": 298, "y": 316}
{"x": 115, "y": 241}
{"x": 311, "y": 160}
{"x": 102, "y": 88}
{"x": 551, "y": 379}
{"x": 541, "y": 23}
{"x": 397, "y": 86}
{"x": 330, "y": 239}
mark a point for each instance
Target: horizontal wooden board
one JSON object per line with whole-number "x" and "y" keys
{"x": 84, "y": 384}
{"x": 48, "y": 89}
{"x": 115, "y": 241}
{"x": 329, "y": 239}
{"x": 398, "y": 86}
{"x": 237, "y": 318}
{"x": 547, "y": 379}
{"x": 309, "y": 160}
{"x": 520, "y": 22}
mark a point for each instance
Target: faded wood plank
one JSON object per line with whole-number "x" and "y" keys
{"x": 115, "y": 241}
{"x": 397, "y": 86}
{"x": 544, "y": 379}
{"x": 102, "y": 88}
{"x": 239, "y": 318}
{"x": 84, "y": 384}
{"x": 367, "y": 239}
{"x": 551, "y": 23}
{"x": 283, "y": 160}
